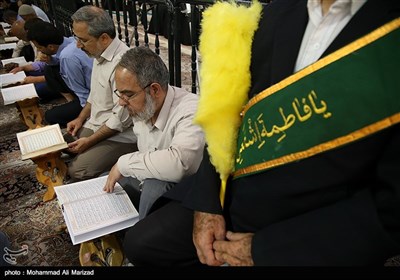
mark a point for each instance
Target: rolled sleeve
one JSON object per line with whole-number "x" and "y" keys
{"x": 38, "y": 65}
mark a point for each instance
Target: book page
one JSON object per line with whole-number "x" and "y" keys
{"x": 10, "y": 78}
{"x": 90, "y": 212}
{"x": 20, "y": 60}
{"x": 10, "y": 39}
{"x": 8, "y": 46}
{"x": 83, "y": 189}
{"x": 17, "y": 93}
{"x": 5, "y": 24}
{"x": 37, "y": 139}
{"x": 99, "y": 211}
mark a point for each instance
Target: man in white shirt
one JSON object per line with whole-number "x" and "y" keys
{"x": 170, "y": 145}
{"x": 38, "y": 11}
{"x": 27, "y": 12}
{"x": 102, "y": 127}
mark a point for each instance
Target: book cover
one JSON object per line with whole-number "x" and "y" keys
{"x": 89, "y": 212}
{"x": 41, "y": 141}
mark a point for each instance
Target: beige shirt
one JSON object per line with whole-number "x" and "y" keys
{"x": 171, "y": 148}
{"x": 104, "y": 103}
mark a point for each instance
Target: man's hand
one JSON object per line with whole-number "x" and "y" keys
{"x": 112, "y": 178}
{"x": 13, "y": 68}
{"x": 73, "y": 126}
{"x": 79, "y": 146}
{"x": 236, "y": 250}
{"x": 206, "y": 229}
{"x": 43, "y": 57}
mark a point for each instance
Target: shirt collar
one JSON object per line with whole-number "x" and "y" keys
{"x": 166, "y": 107}
{"x": 350, "y": 6}
{"x": 108, "y": 53}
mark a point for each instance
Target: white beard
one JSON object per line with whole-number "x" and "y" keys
{"x": 148, "y": 111}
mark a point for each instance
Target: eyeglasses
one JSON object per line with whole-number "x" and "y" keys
{"x": 127, "y": 98}
{"x": 80, "y": 40}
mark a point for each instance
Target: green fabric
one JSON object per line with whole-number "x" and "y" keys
{"x": 342, "y": 97}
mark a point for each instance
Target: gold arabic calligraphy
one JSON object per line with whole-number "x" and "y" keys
{"x": 302, "y": 112}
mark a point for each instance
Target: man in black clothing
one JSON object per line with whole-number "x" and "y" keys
{"x": 336, "y": 207}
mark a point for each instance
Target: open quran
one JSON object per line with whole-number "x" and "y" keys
{"x": 41, "y": 141}
{"x": 89, "y": 212}
{"x": 18, "y": 93}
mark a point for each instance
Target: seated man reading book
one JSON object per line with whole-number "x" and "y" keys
{"x": 170, "y": 145}
{"x": 69, "y": 75}
{"x": 103, "y": 127}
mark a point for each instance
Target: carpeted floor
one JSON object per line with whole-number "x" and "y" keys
{"x": 24, "y": 218}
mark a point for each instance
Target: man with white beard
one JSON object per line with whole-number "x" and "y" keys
{"x": 169, "y": 144}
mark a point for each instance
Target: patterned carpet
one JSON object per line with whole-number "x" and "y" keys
{"x": 25, "y": 219}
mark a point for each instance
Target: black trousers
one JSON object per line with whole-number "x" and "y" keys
{"x": 163, "y": 238}
{"x": 63, "y": 113}
{"x": 54, "y": 80}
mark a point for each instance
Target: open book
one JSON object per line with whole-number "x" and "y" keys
{"x": 18, "y": 93}
{"x": 7, "y": 46}
{"x": 21, "y": 61}
{"x": 89, "y": 212}
{"x": 5, "y": 25}
{"x": 41, "y": 141}
{"x": 10, "y": 39}
{"x": 10, "y": 78}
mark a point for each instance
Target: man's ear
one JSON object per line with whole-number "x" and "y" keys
{"x": 155, "y": 89}
{"x": 53, "y": 47}
{"x": 104, "y": 38}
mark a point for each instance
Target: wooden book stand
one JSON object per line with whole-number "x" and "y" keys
{"x": 50, "y": 171}
{"x": 30, "y": 112}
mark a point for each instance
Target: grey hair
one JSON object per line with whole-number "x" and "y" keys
{"x": 146, "y": 65}
{"x": 97, "y": 19}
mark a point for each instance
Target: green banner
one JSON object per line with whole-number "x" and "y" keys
{"x": 346, "y": 96}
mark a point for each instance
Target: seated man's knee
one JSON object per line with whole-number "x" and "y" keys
{"x": 152, "y": 189}
{"x": 78, "y": 173}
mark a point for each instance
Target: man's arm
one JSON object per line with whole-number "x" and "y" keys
{"x": 74, "y": 125}
{"x": 84, "y": 143}
{"x": 181, "y": 158}
{"x": 72, "y": 71}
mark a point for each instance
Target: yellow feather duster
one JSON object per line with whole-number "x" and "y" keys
{"x": 225, "y": 48}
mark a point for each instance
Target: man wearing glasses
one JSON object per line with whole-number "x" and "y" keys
{"x": 170, "y": 145}
{"x": 102, "y": 127}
